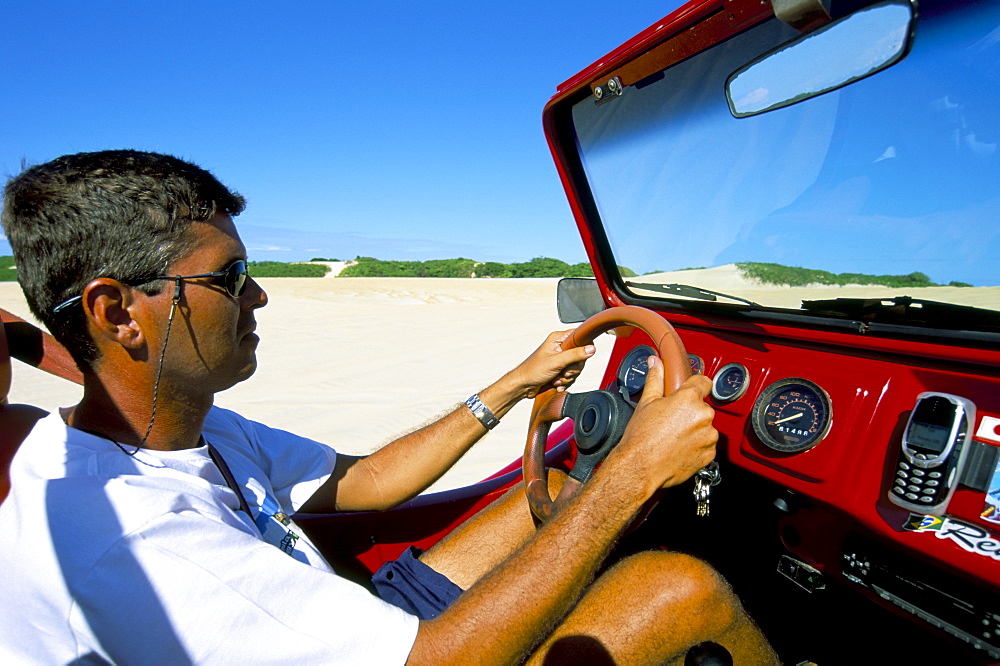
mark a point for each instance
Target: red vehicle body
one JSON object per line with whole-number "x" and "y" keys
{"x": 823, "y": 512}
{"x": 808, "y": 538}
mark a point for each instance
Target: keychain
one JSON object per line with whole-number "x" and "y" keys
{"x": 706, "y": 477}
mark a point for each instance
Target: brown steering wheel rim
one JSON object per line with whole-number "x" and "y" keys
{"x": 548, "y": 404}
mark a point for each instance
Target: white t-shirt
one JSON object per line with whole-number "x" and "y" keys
{"x": 149, "y": 559}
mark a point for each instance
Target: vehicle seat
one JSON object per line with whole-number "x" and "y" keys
{"x": 16, "y": 421}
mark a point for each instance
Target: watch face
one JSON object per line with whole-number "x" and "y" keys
{"x": 481, "y": 412}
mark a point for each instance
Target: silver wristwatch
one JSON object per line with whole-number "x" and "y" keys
{"x": 481, "y": 412}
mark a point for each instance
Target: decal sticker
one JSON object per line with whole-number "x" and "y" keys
{"x": 991, "y": 511}
{"x": 972, "y": 538}
{"x": 989, "y": 429}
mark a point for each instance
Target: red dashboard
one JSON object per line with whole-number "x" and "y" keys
{"x": 834, "y": 514}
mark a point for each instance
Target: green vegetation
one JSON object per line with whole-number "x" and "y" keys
{"x": 371, "y": 267}
{"x": 7, "y": 271}
{"x": 267, "y": 269}
{"x": 794, "y": 276}
{"x": 323, "y": 259}
{"x": 465, "y": 268}
{"x": 548, "y": 267}
{"x": 775, "y": 274}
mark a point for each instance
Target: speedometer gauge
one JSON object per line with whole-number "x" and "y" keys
{"x": 792, "y": 415}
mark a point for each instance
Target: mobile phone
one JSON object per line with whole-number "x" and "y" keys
{"x": 934, "y": 447}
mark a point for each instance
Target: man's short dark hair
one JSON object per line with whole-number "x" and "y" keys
{"x": 121, "y": 214}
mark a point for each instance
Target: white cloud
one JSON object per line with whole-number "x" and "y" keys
{"x": 889, "y": 153}
{"x": 268, "y": 248}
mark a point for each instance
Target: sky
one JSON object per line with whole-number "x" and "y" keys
{"x": 399, "y": 130}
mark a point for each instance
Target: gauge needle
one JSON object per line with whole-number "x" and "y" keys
{"x": 638, "y": 370}
{"x": 788, "y": 418}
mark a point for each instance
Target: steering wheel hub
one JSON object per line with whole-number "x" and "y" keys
{"x": 599, "y": 420}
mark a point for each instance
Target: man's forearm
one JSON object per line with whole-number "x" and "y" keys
{"x": 513, "y": 607}
{"x": 409, "y": 465}
{"x": 504, "y": 615}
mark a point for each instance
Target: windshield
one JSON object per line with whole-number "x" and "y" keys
{"x": 887, "y": 187}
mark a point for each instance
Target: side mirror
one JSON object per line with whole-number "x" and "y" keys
{"x": 833, "y": 56}
{"x": 578, "y": 299}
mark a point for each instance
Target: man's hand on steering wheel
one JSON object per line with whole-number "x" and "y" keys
{"x": 669, "y": 437}
{"x": 550, "y": 366}
{"x": 602, "y": 418}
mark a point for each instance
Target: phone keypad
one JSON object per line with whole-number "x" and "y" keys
{"x": 917, "y": 485}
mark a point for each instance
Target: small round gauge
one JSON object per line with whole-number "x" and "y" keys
{"x": 632, "y": 371}
{"x": 697, "y": 365}
{"x": 730, "y": 382}
{"x": 792, "y": 415}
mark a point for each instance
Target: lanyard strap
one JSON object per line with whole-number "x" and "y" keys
{"x": 230, "y": 480}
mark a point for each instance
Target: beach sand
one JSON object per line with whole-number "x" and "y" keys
{"x": 355, "y": 362}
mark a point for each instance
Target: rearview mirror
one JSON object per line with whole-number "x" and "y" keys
{"x": 578, "y": 299}
{"x": 833, "y": 56}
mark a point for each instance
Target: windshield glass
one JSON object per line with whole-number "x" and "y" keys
{"x": 889, "y": 186}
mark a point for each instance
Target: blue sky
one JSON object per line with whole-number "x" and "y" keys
{"x": 893, "y": 174}
{"x": 400, "y": 130}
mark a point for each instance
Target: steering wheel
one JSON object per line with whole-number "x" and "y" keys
{"x": 599, "y": 417}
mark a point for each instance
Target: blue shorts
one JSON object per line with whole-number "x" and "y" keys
{"x": 410, "y": 584}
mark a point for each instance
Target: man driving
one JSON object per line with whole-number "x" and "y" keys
{"x": 145, "y": 525}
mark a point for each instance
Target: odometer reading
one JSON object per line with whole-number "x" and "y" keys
{"x": 792, "y": 415}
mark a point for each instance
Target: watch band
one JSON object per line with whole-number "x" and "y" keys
{"x": 481, "y": 412}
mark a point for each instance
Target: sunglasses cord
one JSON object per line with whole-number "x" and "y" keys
{"x": 159, "y": 368}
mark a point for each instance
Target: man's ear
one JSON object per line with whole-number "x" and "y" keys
{"x": 107, "y": 303}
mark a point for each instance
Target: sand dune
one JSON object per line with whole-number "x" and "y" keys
{"x": 729, "y": 280}
{"x": 335, "y": 266}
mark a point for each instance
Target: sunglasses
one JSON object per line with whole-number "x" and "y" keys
{"x": 235, "y": 282}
